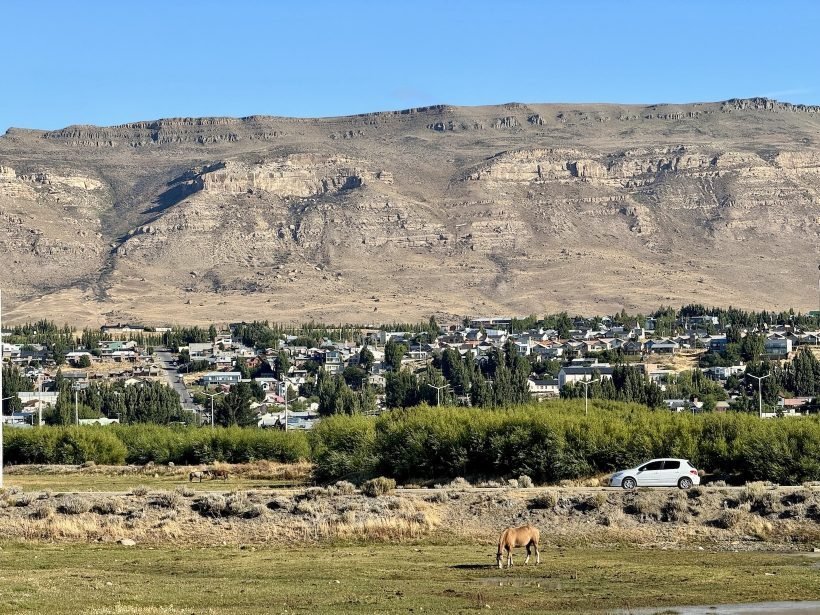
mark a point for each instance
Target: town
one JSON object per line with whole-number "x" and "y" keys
{"x": 255, "y": 374}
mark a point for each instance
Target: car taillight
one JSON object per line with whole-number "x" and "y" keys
{"x": 693, "y": 472}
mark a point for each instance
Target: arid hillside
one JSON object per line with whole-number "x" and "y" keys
{"x": 510, "y": 209}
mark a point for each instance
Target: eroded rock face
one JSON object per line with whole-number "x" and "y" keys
{"x": 296, "y": 175}
{"x": 507, "y": 209}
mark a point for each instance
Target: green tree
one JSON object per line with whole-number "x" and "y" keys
{"x": 366, "y": 358}
{"x": 393, "y": 353}
{"x": 282, "y": 364}
{"x": 84, "y": 361}
{"x": 235, "y": 407}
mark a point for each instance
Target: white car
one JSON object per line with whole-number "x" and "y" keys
{"x": 657, "y": 473}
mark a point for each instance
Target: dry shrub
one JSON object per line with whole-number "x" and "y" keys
{"x": 718, "y": 483}
{"x": 729, "y": 519}
{"x": 24, "y": 499}
{"x": 166, "y": 499}
{"x": 280, "y": 503}
{"x": 140, "y": 491}
{"x": 648, "y": 504}
{"x": 234, "y": 505}
{"x": 344, "y": 487}
{"x": 597, "y": 500}
{"x": 438, "y": 497}
{"x": 74, "y": 505}
{"x": 512, "y": 483}
{"x": 547, "y": 499}
{"x": 676, "y": 509}
{"x": 525, "y": 482}
{"x": 459, "y": 484}
{"x": 185, "y": 491}
{"x": 757, "y": 527}
{"x": 612, "y": 517}
{"x": 108, "y": 506}
{"x": 42, "y": 512}
{"x": 378, "y": 486}
{"x": 752, "y": 492}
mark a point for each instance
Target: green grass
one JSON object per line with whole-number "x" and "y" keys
{"x": 383, "y": 578}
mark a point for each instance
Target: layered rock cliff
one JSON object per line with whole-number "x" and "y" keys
{"x": 448, "y": 210}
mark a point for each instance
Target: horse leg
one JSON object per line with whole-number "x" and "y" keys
{"x": 509, "y": 557}
{"x": 537, "y": 554}
{"x": 529, "y": 552}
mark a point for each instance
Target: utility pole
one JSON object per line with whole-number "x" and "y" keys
{"x": 212, "y": 395}
{"x": 759, "y": 393}
{"x": 76, "y": 409}
{"x": 586, "y": 384}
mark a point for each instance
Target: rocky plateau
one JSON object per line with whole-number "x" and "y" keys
{"x": 448, "y": 211}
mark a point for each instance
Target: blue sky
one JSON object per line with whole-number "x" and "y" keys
{"x": 113, "y": 62}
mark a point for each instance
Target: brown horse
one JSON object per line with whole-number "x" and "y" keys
{"x": 219, "y": 473}
{"x": 524, "y": 536}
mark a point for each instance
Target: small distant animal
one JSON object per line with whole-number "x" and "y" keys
{"x": 223, "y": 474}
{"x": 195, "y": 475}
{"x": 524, "y": 536}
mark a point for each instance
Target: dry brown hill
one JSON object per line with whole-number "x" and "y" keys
{"x": 509, "y": 209}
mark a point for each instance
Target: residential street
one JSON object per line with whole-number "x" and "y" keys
{"x": 170, "y": 371}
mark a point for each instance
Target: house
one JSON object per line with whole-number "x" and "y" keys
{"x": 122, "y": 328}
{"x": 11, "y": 351}
{"x": 333, "y": 362}
{"x": 200, "y": 350}
{"x": 662, "y": 346}
{"x": 576, "y": 374}
{"x": 632, "y": 347}
{"x": 777, "y": 346}
{"x": 718, "y": 343}
{"x": 543, "y": 388}
{"x": 217, "y": 378}
{"x": 35, "y": 398}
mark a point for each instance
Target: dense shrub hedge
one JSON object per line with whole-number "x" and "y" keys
{"x": 144, "y": 443}
{"x": 548, "y": 442}
{"x": 555, "y": 441}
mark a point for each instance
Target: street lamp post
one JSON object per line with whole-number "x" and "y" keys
{"x": 586, "y": 384}
{"x": 759, "y": 393}
{"x": 438, "y": 391}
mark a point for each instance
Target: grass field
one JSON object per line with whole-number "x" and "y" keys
{"x": 384, "y": 578}
{"x": 68, "y": 483}
{"x": 121, "y": 479}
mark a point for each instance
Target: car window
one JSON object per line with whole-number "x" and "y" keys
{"x": 671, "y": 465}
{"x": 655, "y": 465}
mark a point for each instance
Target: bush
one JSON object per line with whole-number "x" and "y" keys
{"x": 143, "y": 444}
{"x": 554, "y": 441}
{"x": 525, "y": 482}
{"x": 167, "y": 499}
{"x": 343, "y": 448}
{"x": 139, "y": 491}
{"x": 74, "y": 505}
{"x": 108, "y": 506}
{"x": 344, "y": 487}
{"x": 378, "y": 486}
{"x": 548, "y": 499}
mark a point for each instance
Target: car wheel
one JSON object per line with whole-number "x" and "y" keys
{"x": 629, "y": 483}
{"x": 685, "y": 483}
